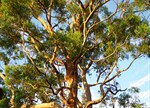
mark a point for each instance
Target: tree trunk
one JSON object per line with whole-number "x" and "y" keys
{"x": 87, "y": 88}
{"x": 71, "y": 78}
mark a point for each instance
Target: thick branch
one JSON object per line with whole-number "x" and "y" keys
{"x": 48, "y": 28}
{"x": 85, "y": 84}
{"x": 103, "y": 94}
{"x": 111, "y": 70}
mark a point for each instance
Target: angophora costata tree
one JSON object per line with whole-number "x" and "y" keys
{"x": 60, "y": 42}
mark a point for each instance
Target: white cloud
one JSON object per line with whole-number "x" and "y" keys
{"x": 145, "y": 97}
{"x": 141, "y": 81}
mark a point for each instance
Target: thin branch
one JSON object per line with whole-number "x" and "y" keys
{"x": 120, "y": 71}
{"x": 34, "y": 87}
{"x": 97, "y": 82}
{"x": 130, "y": 63}
{"x": 105, "y": 18}
{"x": 49, "y": 30}
{"x": 88, "y": 18}
{"x": 119, "y": 46}
{"x": 106, "y": 56}
{"x": 81, "y": 5}
{"x": 111, "y": 70}
{"x": 101, "y": 21}
{"x": 100, "y": 74}
{"x": 95, "y": 8}
{"x": 36, "y": 47}
{"x": 116, "y": 91}
{"x": 57, "y": 74}
{"x": 25, "y": 51}
{"x": 53, "y": 55}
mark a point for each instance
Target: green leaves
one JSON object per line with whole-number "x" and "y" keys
{"x": 141, "y": 4}
{"x": 15, "y": 10}
{"x": 28, "y": 81}
{"x": 4, "y": 58}
{"x": 130, "y": 98}
{"x": 142, "y": 30}
{"x": 73, "y": 8}
{"x": 71, "y": 42}
{"x": 132, "y": 19}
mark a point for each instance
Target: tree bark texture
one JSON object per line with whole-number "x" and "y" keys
{"x": 71, "y": 78}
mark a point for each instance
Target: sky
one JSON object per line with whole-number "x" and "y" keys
{"x": 139, "y": 73}
{"x": 137, "y": 76}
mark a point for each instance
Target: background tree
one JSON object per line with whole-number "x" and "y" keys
{"x": 123, "y": 99}
{"x": 48, "y": 47}
{"x": 130, "y": 98}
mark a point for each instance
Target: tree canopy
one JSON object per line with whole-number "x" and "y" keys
{"x": 49, "y": 47}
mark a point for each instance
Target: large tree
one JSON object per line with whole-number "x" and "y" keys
{"x": 49, "y": 47}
